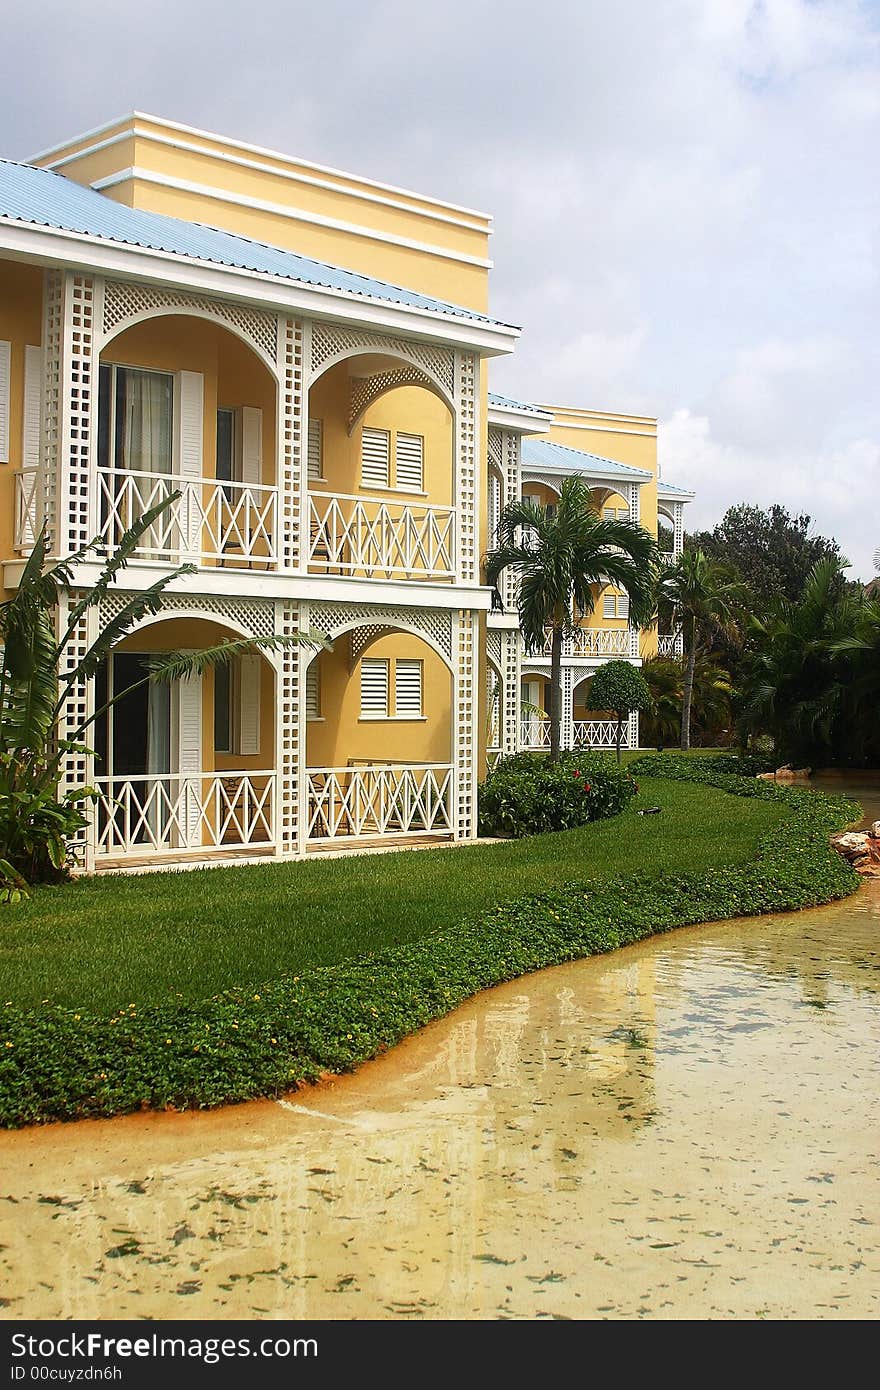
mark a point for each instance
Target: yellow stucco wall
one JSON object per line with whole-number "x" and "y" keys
{"x": 341, "y": 734}
{"x": 21, "y": 313}
{"x": 336, "y": 217}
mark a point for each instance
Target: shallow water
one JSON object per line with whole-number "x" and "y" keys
{"x": 687, "y": 1128}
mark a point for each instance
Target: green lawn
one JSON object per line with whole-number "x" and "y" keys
{"x": 113, "y": 941}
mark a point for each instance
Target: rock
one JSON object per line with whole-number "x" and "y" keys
{"x": 766, "y": 776}
{"x": 852, "y": 844}
{"x": 874, "y": 832}
{"x": 787, "y": 773}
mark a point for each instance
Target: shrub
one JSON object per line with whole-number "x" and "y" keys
{"x": 527, "y": 794}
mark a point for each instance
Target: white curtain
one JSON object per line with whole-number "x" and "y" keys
{"x": 146, "y": 434}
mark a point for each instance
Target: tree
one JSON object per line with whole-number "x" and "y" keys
{"x": 620, "y": 687}
{"x": 711, "y": 710}
{"x": 34, "y": 698}
{"x": 706, "y": 598}
{"x": 814, "y": 673}
{"x": 772, "y": 551}
{"x": 562, "y": 561}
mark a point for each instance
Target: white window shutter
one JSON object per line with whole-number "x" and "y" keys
{"x": 409, "y": 459}
{"x": 374, "y": 688}
{"x": 494, "y": 507}
{"x": 622, "y": 606}
{"x": 5, "y": 388}
{"x": 190, "y": 400}
{"x": 316, "y": 450}
{"x": 375, "y": 457}
{"x": 408, "y": 689}
{"x": 608, "y": 608}
{"x": 313, "y": 691}
{"x": 249, "y": 704}
{"x": 188, "y": 704}
{"x": 33, "y": 407}
{"x": 251, "y": 445}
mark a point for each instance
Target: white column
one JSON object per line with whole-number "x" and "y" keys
{"x": 465, "y": 673}
{"x": 566, "y": 728}
{"x": 291, "y": 434}
{"x": 78, "y": 768}
{"x": 634, "y": 502}
{"x": 633, "y": 730}
{"x": 677, "y": 528}
{"x": 511, "y": 709}
{"x": 511, "y": 445}
{"x": 289, "y": 734}
{"x": 72, "y": 305}
{"x": 466, "y": 471}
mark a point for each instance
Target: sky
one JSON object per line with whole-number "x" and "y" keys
{"x": 686, "y": 193}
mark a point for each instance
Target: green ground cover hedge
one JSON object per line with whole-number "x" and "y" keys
{"x": 59, "y": 1064}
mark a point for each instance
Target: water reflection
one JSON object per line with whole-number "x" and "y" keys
{"x": 687, "y": 1128}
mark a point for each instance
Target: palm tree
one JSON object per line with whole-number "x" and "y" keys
{"x": 710, "y": 703}
{"x": 706, "y": 597}
{"x": 561, "y": 561}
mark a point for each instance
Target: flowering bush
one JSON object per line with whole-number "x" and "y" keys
{"x": 527, "y": 794}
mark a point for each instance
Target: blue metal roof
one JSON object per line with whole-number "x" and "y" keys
{"x": 663, "y": 486}
{"x": 46, "y": 199}
{"x": 542, "y": 453}
{"x": 505, "y": 403}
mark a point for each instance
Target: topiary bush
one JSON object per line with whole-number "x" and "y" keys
{"x": 527, "y": 794}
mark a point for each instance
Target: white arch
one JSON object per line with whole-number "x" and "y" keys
{"x": 199, "y": 615}
{"x": 386, "y": 627}
{"x": 193, "y": 312}
{"x": 534, "y": 673}
{"x": 393, "y": 350}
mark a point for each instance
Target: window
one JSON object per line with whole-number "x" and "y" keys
{"x": 226, "y": 470}
{"x": 615, "y": 606}
{"x": 313, "y": 690}
{"x": 374, "y": 688}
{"x": 615, "y": 513}
{"x": 135, "y": 419}
{"x": 409, "y": 460}
{"x": 223, "y": 708}
{"x": 316, "y": 449}
{"x": 409, "y": 452}
{"x": 375, "y": 458}
{"x": 408, "y": 689}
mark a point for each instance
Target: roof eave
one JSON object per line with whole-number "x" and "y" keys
{"x": 28, "y": 241}
{"x": 636, "y": 475}
{"x": 519, "y": 421}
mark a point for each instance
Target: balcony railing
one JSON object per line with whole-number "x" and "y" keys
{"x": 358, "y": 536}
{"x": 28, "y": 508}
{"x": 534, "y": 733}
{"x": 670, "y": 643}
{"x": 221, "y": 521}
{"x": 593, "y": 642}
{"x": 394, "y": 799}
{"x": 203, "y": 811}
{"x": 599, "y": 733}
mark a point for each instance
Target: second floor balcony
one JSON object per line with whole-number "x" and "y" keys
{"x": 595, "y": 643}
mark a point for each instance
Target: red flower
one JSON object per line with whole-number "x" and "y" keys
{"x": 587, "y": 786}
{"x": 576, "y": 773}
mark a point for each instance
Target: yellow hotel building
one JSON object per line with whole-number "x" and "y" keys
{"x": 302, "y": 355}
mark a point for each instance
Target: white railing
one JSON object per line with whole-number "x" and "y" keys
{"x": 28, "y": 508}
{"x": 200, "y": 811}
{"x": 592, "y": 641}
{"x": 670, "y": 644}
{"x": 534, "y": 733}
{"x": 210, "y": 520}
{"x": 346, "y": 803}
{"x": 493, "y": 757}
{"x": 375, "y": 539}
{"x": 599, "y": 733}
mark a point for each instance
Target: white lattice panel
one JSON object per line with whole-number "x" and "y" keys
{"x": 677, "y": 528}
{"x": 331, "y": 342}
{"x": 634, "y": 496}
{"x": 512, "y": 451}
{"x": 493, "y": 647}
{"x": 466, "y": 489}
{"x": 292, "y": 432}
{"x": 125, "y": 303}
{"x": 254, "y": 616}
{"x": 289, "y": 739}
{"x": 566, "y": 725}
{"x": 464, "y": 730}
{"x": 496, "y": 447}
{"x": 79, "y": 383}
{"x": 367, "y": 389}
{"x": 76, "y": 769}
{"x": 333, "y": 619}
{"x": 50, "y": 450}
{"x": 510, "y": 645}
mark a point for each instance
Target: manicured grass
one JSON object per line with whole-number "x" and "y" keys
{"x": 106, "y": 943}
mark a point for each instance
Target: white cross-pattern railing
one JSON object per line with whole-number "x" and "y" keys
{"x": 592, "y": 641}
{"x": 493, "y": 757}
{"x": 599, "y": 733}
{"x": 28, "y": 509}
{"x": 202, "y": 811}
{"x": 377, "y": 539}
{"x": 670, "y": 643}
{"x": 221, "y": 521}
{"x": 395, "y": 799}
{"x": 534, "y": 733}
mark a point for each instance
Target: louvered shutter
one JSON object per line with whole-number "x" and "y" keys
{"x": 375, "y": 455}
{"x": 409, "y": 462}
{"x": 5, "y": 369}
{"x": 188, "y": 701}
{"x": 494, "y": 507}
{"x": 189, "y": 418}
{"x": 608, "y": 609}
{"x": 408, "y": 689}
{"x": 249, "y": 704}
{"x": 30, "y": 513}
{"x": 622, "y": 606}
{"x": 251, "y": 445}
{"x": 313, "y": 692}
{"x": 374, "y": 688}
{"x": 316, "y": 449}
